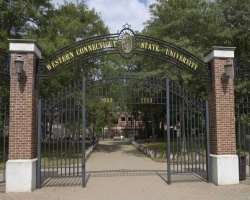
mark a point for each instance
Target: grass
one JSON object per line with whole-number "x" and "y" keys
{"x": 157, "y": 146}
{"x": 54, "y": 162}
{"x": 160, "y": 147}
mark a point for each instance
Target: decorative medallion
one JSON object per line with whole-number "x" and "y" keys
{"x": 126, "y": 41}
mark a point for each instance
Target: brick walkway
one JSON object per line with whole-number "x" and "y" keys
{"x": 139, "y": 185}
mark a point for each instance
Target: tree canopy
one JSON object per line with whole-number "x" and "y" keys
{"x": 198, "y": 25}
{"x": 195, "y": 25}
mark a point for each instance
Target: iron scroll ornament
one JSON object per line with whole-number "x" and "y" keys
{"x": 126, "y": 43}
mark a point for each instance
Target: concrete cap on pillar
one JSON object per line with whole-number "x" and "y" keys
{"x": 23, "y": 45}
{"x": 219, "y": 52}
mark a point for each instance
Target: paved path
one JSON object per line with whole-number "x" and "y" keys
{"x": 116, "y": 156}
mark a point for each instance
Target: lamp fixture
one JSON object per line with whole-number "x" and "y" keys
{"x": 19, "y": 62}
{"x": 228, "y": 67}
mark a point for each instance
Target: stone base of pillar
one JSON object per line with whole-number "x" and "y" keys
{"x": 224, "y": 169}
{"x": 21, "y": 175}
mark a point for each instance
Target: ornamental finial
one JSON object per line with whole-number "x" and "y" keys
{"x": 126, "y": 26}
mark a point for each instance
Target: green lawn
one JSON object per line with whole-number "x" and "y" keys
{"x": 160, "y": 147}
{"x": 157, "y": 146}
{"x": 49, "y": 162}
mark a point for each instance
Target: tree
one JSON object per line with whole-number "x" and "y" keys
{"x": 18, "y": 16}
{"x": 197, "y": 25}
{"x": 61, "y": 27}
{"x": 64, "y": 25}
{"x": 183, "y": 22}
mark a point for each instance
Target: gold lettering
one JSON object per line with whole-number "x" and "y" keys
{"x": 156, "y": 48}
{"x": 184, "y": 60}
{"x": 149, "y": 46}
{"x": 89, "y": 47}
{"x": 142, "y": 45}
{"x": 49, "y": 67}
{"x": 167, "y": 51}
{"x": 114, "y": 43}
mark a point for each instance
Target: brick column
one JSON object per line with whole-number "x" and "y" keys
{"x": 21, "y": 166}
{"x": 224, "y": 161}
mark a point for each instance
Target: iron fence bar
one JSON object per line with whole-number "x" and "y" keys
{"x": 78, "y": 136}
{"x": 189, "y": 134}
{"x": 44, "y": 144}
{"x": 66, "y": 134}
{"x": 208, "y": 167}
{"x": 168, "y": 131}
{"x": 179, "y": 128}
{"x": 70, "y": 131}
{"x": 52, "y": 135}
{"x": 5, "y": 145}
{"x": 61, "y": 133}
{"x": 172, "y": 120}
{"x": 204, "y": 136}
{"x": 59, "y": 126}
{"x": 83, "y": 129}
{"x": 39, "y": 140}
{"x": 191, "y": 137}
{"x": 74, "y": 132}
{"x": 199, "y": 142}
{"x": 248, "y": 131}
{"x": 183, "y": 138}
{"x": 49, "y": 132}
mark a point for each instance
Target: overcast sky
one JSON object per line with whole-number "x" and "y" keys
{"x": 116, "y": 13}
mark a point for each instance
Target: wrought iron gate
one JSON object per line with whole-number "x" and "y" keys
{"x": 184, "y": 115}
{"x": 183, "y": 119}
{"x": 242, "y": 116}
{"x": 61, "y": 134}
{"x": 4, "y": 112}
{"x": 243, "y": 130}
{"x": 187, "y": 132}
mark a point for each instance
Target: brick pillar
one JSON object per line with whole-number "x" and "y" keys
{"x": 21, "y": 166}
{"x": 224, "y": 161}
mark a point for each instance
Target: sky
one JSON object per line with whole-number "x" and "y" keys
{"x": 116, "y": 13}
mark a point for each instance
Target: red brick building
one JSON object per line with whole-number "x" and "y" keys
{"x": 126, "y": 126}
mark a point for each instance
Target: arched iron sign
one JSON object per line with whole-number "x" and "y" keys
{"x": 126, "y": 43}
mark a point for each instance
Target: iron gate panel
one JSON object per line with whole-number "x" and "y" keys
{"x": 243, "y": 129}
{"x": 4, "y": 111}
{"x": 61, "y": 135}
{"x": 4, "y": 128}
{"x": 188, "y": 131}
{"x": 242, "y": 116}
